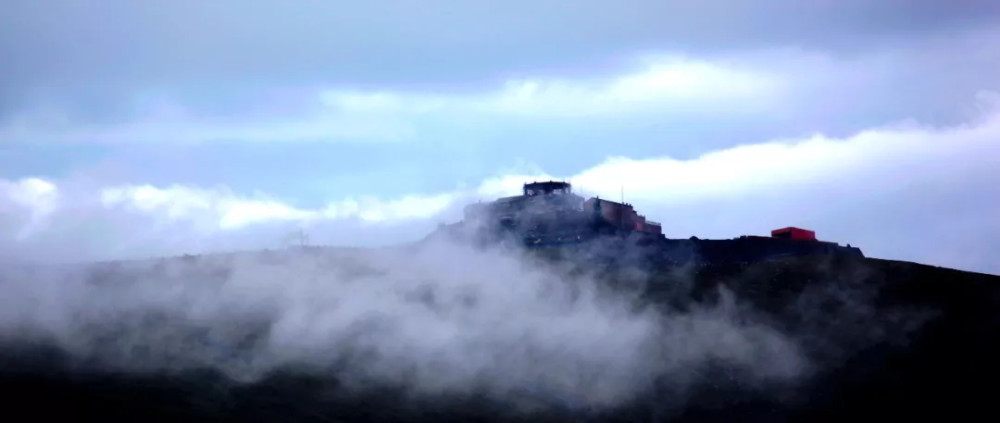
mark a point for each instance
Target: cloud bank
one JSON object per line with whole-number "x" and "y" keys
{"x": 439, "y": 320}
{"x": 668, "y": 84}
{"x": 782, "y": 90}
{"x": 886, "y": 189}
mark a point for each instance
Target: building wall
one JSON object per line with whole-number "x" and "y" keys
{"x": 618, "y": 214}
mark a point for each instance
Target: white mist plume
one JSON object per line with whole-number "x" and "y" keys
{"x": 439, "y": 319}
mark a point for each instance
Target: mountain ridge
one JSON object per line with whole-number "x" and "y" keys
{"x": 811, "y": 338}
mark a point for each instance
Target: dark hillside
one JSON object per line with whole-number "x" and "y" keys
{"x": 883, "y": 339}
{"x": 898, "y": 340}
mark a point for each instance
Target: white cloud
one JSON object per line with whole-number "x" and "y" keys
{"x": 888, "y": 189}
{"x": 33, "y": 199}
{"x": 915, "y": 152}
{"x": 664, "y": 84}
{"x": 898, "y": 153}
{"x": 778, "y": 91}
{"x": 130, "y": 220}
{"x": 36, "y": 194}
{"x": 225, "y": 210}
{"x": 899, "y": 191}
{"x": 657, "y": 85}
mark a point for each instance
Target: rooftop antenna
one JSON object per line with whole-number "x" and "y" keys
{"x": 303, "y": 239}
{"x": 301, "y": 236}
{"x": 621, "y": 214}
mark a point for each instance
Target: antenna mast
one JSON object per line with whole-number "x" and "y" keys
{"x": 300, "y": 236}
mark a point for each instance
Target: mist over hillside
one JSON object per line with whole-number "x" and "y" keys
{"x": 630, "y": 211}
{"x": 441, "y": 326}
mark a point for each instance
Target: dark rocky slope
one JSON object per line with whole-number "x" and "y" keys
{"x": 886, "y": 340}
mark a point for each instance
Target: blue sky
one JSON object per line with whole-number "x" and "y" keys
{"x": 144, "y": 128}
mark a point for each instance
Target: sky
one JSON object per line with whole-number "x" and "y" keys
{"x": 139, "y": 128}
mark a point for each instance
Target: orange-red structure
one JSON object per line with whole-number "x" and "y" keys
{"x": 792, "y": 232}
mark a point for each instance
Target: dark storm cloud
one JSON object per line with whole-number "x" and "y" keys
{"x": 93, "y": 57}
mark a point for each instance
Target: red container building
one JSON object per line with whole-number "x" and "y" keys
{"x": 794, "y": 233}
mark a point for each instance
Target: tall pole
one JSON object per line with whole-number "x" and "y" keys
{"x": 301, "y": 236}
{"x": 621, "y": 210}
